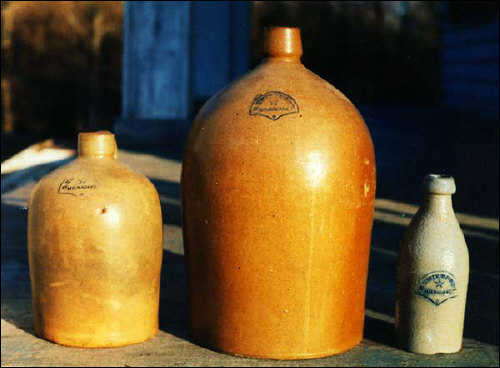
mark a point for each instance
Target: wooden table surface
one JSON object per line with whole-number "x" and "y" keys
{"x": 171, "y": 346}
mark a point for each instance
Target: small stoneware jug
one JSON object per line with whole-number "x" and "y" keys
{"x": 432, "y": 275}
{"x": 278, "y": 189}
{"x": 95, "y": 250}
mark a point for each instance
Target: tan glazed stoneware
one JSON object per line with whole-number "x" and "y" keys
{"x": 278, "y": 189}
{"x": 433, "y": 273}
{"x": 95, "y": 250}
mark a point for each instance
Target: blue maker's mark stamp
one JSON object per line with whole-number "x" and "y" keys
{"x": 273, "y": 105}
{"x": 437, "y": 287}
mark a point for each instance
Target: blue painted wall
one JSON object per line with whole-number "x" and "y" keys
{"x": 221, "y": 44}
{"x": 156, "y": 60}
{"x": 180, "y": 52}
{"x": 470, "y": 67}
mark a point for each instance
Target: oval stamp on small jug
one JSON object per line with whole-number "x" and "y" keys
{"x": 273, "y": 105}
{"x": 437, "y": 287}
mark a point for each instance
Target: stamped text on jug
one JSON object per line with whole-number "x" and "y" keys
{"x": 437, "y": 287}
{"x": 273, "y": 105}
{"x": 75, "y": 187}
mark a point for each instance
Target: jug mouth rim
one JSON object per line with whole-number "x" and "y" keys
{"x": 439, "y": 184}
{"x": 282, "y": 27}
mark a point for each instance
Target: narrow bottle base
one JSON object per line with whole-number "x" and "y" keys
{"x": 430, "y": 350}
{"x": 433, "y": 352}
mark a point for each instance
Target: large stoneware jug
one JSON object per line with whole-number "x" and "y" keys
{"x": 278, "y": 189}
{"x": 95, "y": 250}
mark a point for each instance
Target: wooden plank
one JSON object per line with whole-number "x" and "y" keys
{"x": 456, "y": 36}
{"x": 458, "y": 92}
{"x": 172, "y": 347}
{"x": 25, "y": 349}
{"x": 479, "y": 53}
{"x": 480, "y": 71}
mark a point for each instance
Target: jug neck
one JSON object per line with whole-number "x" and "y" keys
{"x": 437, "y": 194}
{"x": 99, "y": 144}
{"x": 283, "y": 44}
{"x": 438, "y": 203}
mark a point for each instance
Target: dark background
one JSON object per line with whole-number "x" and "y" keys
{"x": 423, "y": 74}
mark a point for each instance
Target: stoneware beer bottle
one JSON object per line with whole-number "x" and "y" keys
{"x": 432, "y": 276}
{"x": 95, "y": 250}
{"x": 278, "y": 188}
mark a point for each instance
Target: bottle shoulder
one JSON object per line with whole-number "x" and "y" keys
{"x": 108, "y": 169}
{"x": 282, "y": 105}
{"x": 281, "y": 82}
{"x": 93, "y": 179}
{"x": 434, "y": 233}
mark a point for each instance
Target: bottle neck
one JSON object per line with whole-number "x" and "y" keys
{"x": 283, "y": 58}
{"x": 101, "y": 145}
{"x": 438, "y": 203}
{"x": 283, "y": 44}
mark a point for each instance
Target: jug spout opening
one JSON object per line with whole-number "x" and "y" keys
{"x": 98, "y": 144}
{"x": 438, "y": 184}
{"x": 283, "y": 43}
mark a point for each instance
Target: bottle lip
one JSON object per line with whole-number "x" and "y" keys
{"x": 97, "y": 144}
{"x": 283, "y": 42}
{"x": 439, "y": 184}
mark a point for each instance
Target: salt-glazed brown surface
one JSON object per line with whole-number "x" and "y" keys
{"x": 278, "y": 189}
{"x": 433, "y": 274}
{"x": 95, "y": 250}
